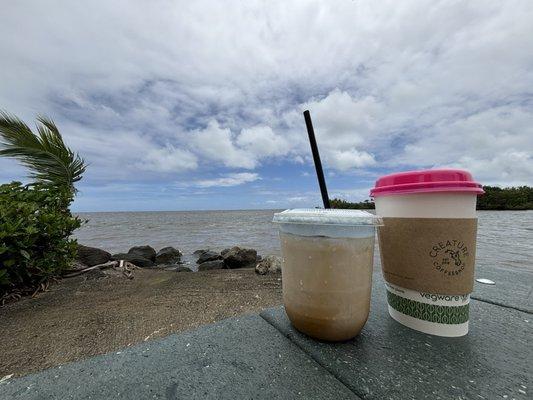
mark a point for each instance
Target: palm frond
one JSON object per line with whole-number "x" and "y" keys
{"x": 44, "y": 153}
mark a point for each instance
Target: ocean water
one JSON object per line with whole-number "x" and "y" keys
{"x": 505, "y": 238}
{"x": 185, "y": 230}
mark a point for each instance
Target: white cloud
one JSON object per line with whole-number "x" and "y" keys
{"x": 515, "y": 168}
{"x": 341, "y": 119}
{"x": 229, "y": 180}
{"x": 346, "y": 128}
{"x": 245, "y": 150}
{"x": 125, "y": 155}
{"x": 349, "y": 159}
{"x": 495, "y": 144}
{"x": 385, "y": 87}
{"x": 261, "y": 141}
{"x": 216, "y": 144}
{"x": 168, "y": 159}
{"x": 351, "y": 194}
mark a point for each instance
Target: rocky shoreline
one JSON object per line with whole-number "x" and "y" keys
{"x": 170, "y": 259}
{"x": 110, "y": 301}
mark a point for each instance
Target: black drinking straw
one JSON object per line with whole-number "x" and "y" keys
{"x": 316, "y": 158}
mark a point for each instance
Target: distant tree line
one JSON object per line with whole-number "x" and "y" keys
{"x": 363, "y": 205}
{"x": 495, "y": 198}
{"x": 513, "y": 198}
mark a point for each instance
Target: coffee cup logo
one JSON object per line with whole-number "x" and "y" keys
{"x": 449, "y": 257}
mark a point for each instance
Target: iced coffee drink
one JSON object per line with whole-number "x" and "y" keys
{"x": 327, "y": 270}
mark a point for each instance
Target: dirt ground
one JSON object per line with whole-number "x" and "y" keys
{"x": 80, "y": 317}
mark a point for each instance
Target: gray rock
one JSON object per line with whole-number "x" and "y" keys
{"x": 239, "y": 258}
{"x": 198, "y": 252}
{"x": 208, "y": 255}
{"x": 133, "y": 258}
{"x": 168, "y": 255}
{"x": 209, "y": 265}
{"x": 183, "y": 269}
{"x": 92, "y": 256}
{"x": 269, "y": 265}
{"x": 147, "y": 252}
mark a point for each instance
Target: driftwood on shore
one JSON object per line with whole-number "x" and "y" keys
{"x": 125, "y": 267}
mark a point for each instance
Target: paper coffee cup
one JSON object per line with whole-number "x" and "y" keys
{"x": 327, "y": 263}
{"x": 427, "y": 246}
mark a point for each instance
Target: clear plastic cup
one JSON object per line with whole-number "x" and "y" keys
{"x": 327, "y": 270}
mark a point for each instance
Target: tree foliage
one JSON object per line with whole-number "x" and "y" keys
{"x": 363, "y": 205}
{"x": 35, "y": 221}
{"x": 495, "y": 198}
{"x": 44, "y": 153}
{"x": 35, "y": 230}
{"x": 512, "y": 198}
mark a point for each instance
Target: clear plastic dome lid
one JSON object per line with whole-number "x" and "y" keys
{"x": 320, "y": 216}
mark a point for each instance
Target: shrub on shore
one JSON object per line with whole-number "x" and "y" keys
{"x": 35, "y": 220}
{"x": 35, "y": 226}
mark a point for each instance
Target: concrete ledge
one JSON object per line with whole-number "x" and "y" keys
{"x": 240, "y": 358}
{"x": 512, "y": 288}
{"x": 249, "y": 357}
{"x": 390, "y": 361}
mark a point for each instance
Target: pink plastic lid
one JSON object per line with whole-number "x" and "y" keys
{"x": 427, "y": 181}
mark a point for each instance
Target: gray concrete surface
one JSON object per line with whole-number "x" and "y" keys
{"x": 390, "y": 361}
{"x": 263, "y": 357}
{"x": 242, "y": 358}
{"x": 512, "y": 288}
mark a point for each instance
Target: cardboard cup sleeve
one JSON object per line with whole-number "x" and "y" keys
{"x": 434, "y": 255}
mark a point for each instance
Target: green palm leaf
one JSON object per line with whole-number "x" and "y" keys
{"x": 44, "y": 153}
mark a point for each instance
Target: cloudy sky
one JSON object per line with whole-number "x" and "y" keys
{"x": 198, "y": 105}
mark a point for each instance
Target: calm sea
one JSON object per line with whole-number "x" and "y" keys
{"x": 505, "y": 238}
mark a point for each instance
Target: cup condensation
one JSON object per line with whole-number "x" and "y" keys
{"x": 327, "y": 270}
